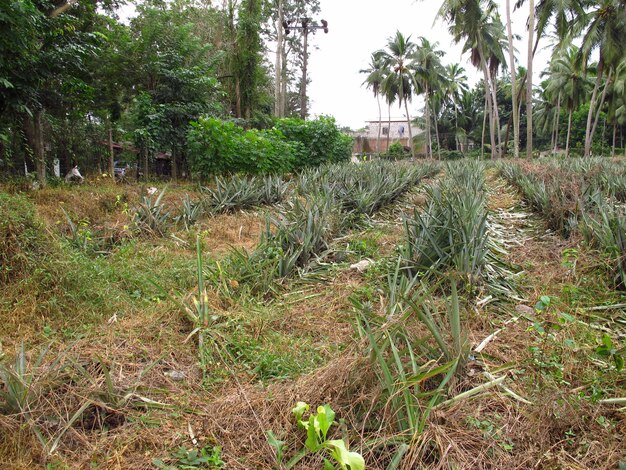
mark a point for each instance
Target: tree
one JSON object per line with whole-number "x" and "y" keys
{"x": 529, "y": 82}
{"x": 428, "y": 79}
{"x": 398, "y": 60}
{"x": 455, "y": 87}
{"x": 604, "y": 30}
{"x": 476, "y": 23}
{"x": 248, "y": 57}
{"x": 176, "y": 69}
{"x": 513, "y": 80}
{"x": 567, "y": 77}
{"x": 375, "y": 77}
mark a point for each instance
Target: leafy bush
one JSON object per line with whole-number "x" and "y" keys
{"x": 396, "y": 151}
{"x": 218, "y": 147}
{"x": 316, "y": 142}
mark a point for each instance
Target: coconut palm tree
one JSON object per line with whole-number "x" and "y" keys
{"x": 428, "y": 77}
{"x": 513, "y": 80}
{"x": 398, "y": 58}
{"x": 604, "y": 30}
{"x": 455, "y": 86}
{"x": 375, "y": 76}
{"x": 562, "y": 14}
{"x": 476, "y": 22}
{"x": 567, "y": 77}
{"x": 617, "y": 101}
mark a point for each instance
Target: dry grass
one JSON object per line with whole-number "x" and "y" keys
{"x": 491, "y": 431}
{"x": 239, "y": 230}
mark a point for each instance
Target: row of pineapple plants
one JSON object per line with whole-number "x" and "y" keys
{"x": 582, "y": 196}
{"x": 416, "y": 339}
{"x": 326, "y": 202}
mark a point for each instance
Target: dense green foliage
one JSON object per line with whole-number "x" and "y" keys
{"x": 578, "y": 108}
{"x": 75, "y": 79}
{"x": 320, "y": 139}
{"x": 218, "y": 147}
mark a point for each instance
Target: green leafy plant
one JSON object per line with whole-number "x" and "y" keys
{"x": 608, "y": 350}
{"x": 396, "y": 352}
{"x": 220, "y": 147}
{"x": 317, "y": 141}
{"x": 236, "y": 192}
{"x": 151, "y": 216}
{"x": 207, "y": 457}
{"x": 21, "y": 381}
{"x": 191, "y": 211}
{"x": 317, "y": 427}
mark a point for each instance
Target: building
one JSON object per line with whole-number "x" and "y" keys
{"x": 394, "y": 130}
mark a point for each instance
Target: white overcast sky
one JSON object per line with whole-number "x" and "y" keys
{"x": 360, "y": 27}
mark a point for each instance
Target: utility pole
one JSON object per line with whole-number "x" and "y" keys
{"x": 307, "y": 27}
{"x": 279, "y": 110}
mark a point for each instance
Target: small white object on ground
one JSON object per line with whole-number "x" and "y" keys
{"x": 151, "y": 190}
{"x": 361, "y": 265}
{"x": 175, "y": 375}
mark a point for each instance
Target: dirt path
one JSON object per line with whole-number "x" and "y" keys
{"x": 547, "y": 354}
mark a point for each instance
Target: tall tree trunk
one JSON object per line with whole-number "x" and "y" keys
{"x": 279, "y": 58}
{"x": 555, "y": 126}
{"x": 408, "y": 121}
{"x": 597, "y": 118}
{"x": 569, "y": 131}
{"x": 496, "y": 113}
{"x": 513, "y": 82}
{"x": 592, "y": 104}
{"x": 34, "y": 138}
{"x": 237, "y": 98}
{"x": 111, "y": 152}
{"x": 482, "y": 140}
{"x": 388, "y": 126}
{"x": 456, "y": 128}
{"x": 437, "y": 133}
{"x": 174, "y": 164}
{"x": 283, "y": 85}
{"x": 429, "y": 146}
{"x": 614, "y": 138}
{"x": 529, "y": 82}
{"x": 41, "y": 152}
{"x": 146, "y": 169}
{"x": 380, "y": 122}
{"x": 492, "y": 134}
{"x": 505, "y": 150}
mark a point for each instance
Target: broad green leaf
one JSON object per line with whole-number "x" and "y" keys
{"x": 276, "y": 444}
{"x": 312, "y": 440}
{"x": 345, "y": 458}
{"x": 299, "y": 410}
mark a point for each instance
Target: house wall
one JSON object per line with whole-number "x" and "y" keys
{"x": 367, "y": 141}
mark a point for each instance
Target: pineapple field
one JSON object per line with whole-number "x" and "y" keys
{"x": 383, "y": 315}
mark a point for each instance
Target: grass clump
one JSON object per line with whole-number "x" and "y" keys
{"x": 23, "y": 241}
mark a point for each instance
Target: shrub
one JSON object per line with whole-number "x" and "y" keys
{"x": 316, "y": 142}
{"x": 218, "y": 147}
{"x": 396, "y": 151}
